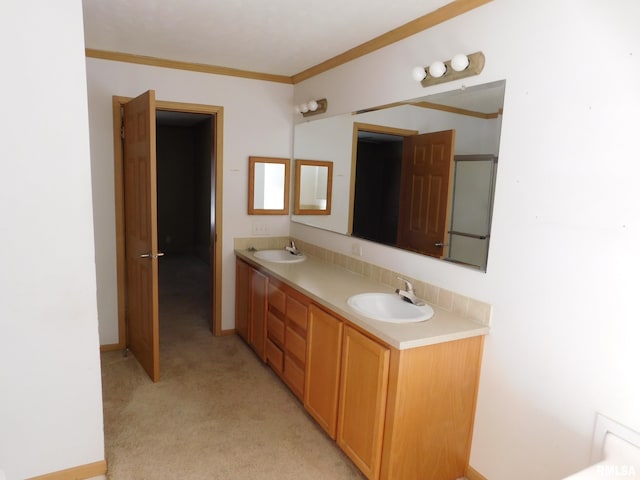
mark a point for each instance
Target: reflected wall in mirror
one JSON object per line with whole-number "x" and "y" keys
{"x": 313, "y": 187}
{"x": 474, "y": 113}
{"x": 269, "y": 180}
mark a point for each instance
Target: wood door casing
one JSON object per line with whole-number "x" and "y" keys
{"x": 425, "y": 201}
{"x": 141, "y": 240}
{"x": 217, "y": 112}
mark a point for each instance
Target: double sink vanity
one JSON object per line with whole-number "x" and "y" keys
{"x": 393, "y": 383}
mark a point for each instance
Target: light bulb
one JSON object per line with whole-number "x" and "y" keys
{"x": 459, "y": 62}
{"x": 418, "y": 74}
{"x": 437, "y": 69}
{"x": 304, "y": 108}
{"x": 313, "y": 105}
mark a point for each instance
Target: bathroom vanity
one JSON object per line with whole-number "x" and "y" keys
{"x": 399, "y": 400}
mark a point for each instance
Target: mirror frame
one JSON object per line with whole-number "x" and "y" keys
{"x": 297, "y": 210}
{"x": 287, "y": 182}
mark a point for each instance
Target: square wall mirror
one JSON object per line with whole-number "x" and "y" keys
{"x": 269, "y": 180}
{"x": 313, "y": 187}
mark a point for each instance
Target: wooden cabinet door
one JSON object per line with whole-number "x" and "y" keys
{"x": 258, "y": 316}
{"x": 251, "y": 306}
{"x": 324, "y": 350}
{"x": 363, "y": 398}
{"x": 243, "y": 298}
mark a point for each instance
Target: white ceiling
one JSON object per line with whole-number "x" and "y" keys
{"x": 281, "y": 37}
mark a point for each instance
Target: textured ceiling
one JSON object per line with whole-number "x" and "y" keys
{"x": 281, "y": 37}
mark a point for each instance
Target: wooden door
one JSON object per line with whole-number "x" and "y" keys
{"x": 363, "y": 398}
{"x": 425, "y": 201}
{"x": 141, "y": 238}
{"x": 324, "y": 351}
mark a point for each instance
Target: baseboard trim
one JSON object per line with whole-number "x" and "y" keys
{"x": 81, "y": 472}
{"x": 472, "y": 474}
{"x": 231, "y": 331}
{"x": 112, "y": 347}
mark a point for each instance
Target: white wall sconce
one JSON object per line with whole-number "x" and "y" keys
{"x": 460, "y": 66}
{"x": 313, "y": 107}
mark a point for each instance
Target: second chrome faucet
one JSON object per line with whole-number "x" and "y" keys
{"x": 291, "y": 248}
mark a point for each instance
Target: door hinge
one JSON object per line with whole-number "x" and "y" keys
{"x": 121, "y": 122}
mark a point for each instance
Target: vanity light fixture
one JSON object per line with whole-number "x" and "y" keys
{"x": 460, "y": 66}
{"x": 312, "y": 107}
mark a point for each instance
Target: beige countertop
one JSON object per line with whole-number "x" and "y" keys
{"x": 331, "y": 286}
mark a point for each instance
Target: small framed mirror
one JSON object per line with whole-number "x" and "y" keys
{"x": 269, "y": 180}
{"x": 313, "y": 187}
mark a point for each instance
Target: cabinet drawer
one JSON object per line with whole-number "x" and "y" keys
{"x": 277, "y": 298}
{"x": 297, "y": 313}
{"x": 275, "y": 328}
{"x": 275, "y": 357}
{"x": 296, "y": 345}
{"x": 294, "y": 376}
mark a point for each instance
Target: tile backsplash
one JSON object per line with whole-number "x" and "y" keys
{"x": 260, "y": 243}
{"x": 461, "y": 305}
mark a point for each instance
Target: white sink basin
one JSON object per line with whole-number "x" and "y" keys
{"x": 279, "y": 256}
{"x": 389, "y": 307}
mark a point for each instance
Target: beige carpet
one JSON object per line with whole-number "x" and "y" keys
{"x": 217, "y": 412}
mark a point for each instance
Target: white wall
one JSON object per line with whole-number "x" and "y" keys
{"x": 564, "y": 262}
{"x": 257, "y": 121}
{"x": 50, "y": 393}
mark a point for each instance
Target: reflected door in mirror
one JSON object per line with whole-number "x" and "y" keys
{"x": 427, "y": 166}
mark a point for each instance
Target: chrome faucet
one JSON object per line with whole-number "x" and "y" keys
{"x": 408, "y": 294}
{"x": 291, "y": 248}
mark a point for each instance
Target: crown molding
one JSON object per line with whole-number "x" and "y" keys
{"x": 178, "y": 65}
{"x": 442, "y": 14}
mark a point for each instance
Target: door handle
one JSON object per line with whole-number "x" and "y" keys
{"x": 440, "y": 244}
{"x": 148, "y": 255}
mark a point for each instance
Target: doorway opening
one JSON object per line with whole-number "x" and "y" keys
{"x": 184, "y": 150}
{"x": 376, "y": 203}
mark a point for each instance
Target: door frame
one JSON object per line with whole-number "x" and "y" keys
{"x": 216, "y": 219}
{"x": 367, "y": 127}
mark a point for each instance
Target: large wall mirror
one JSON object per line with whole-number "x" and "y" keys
{"x": 396, "y": 177}
{"x": 269, "y": 181}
